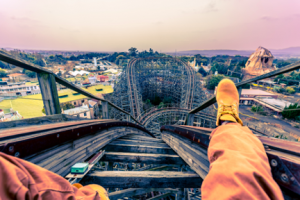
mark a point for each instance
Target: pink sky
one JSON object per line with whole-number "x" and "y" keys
{"x": 164, "y": 25}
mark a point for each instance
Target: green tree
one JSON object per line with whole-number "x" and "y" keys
{"x": 66, "y": 106}
{"x": 220, "y": 67}
{"x": 30, "y": 74}
{"x": 151, "y": 51}
{"x": 156, "y": 100}
{"x": 213, "y": 81}
{"x": 280, "y": 76}
{"x": 255, "y": 108}
{"x": 202, "y": 71}
{"x": 161, "y": 105}
{"x": 290, "y": 90}
{"x": 291, "y": 114}
{"x": 133, "y": 51}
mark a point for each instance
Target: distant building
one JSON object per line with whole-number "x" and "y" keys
{"x": 266, "y": 99}
{"x": 92, "y": 79}
{"x": 76, "y": 73}
{"x": 95, "y": 62}
{"x": 82, "y": 111}
{"x": 17, "y": 76}
{"x": 102, "y": 78}
{"x": 18, "y": 89}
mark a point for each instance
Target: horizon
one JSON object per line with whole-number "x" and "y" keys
{"x": 167, "y": 26}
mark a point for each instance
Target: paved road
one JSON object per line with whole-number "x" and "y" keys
{"x": 268, "y": 119}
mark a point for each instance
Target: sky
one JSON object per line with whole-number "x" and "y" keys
{"x": 163, "y": 25}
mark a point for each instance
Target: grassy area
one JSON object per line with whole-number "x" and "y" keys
{"x": 32, "y": 83}
{"x": 32, "y": 105}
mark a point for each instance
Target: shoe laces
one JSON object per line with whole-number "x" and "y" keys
{"x": 228, "y": 109}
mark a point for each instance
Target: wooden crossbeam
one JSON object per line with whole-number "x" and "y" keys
{"x": 140, "y": 141}
{"x": 136, "y": 142}
{"x": 145, "y": 179}
{"x": 138, "y": 149}
{"x": 160, "y": 196}
{"x": 142, "y": 158}
{"x": 134, "y": 192}
{"x": 141, "y": 138}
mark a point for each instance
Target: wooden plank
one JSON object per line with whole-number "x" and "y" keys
{"x": 142, "y": 139}
{"x": 77, "y": 146}
{"x": 136, "y": 142}
{"x": 160, "y": 196}
{"x": 63, "y": 167}
{"x": 138, "y": 149}
{"x": 134, "y": 192}
{"x": 145, "y": 179}
{"x": 191, "y": 153}
{"x": 139, "y": 137}
{"x": 142, "y": 158}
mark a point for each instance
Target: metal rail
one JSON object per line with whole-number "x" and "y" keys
{"x": 6, "y": 57}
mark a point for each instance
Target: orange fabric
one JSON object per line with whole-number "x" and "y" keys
{"x": 20, "y": 179}
{"x": 239, "y": 167}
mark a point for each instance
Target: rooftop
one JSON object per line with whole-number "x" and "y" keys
{"x": 255, "y": 92}
{"x": 15, "y": 75}
{"x": 277, "y": 103}
{"x": 78, "y": 110}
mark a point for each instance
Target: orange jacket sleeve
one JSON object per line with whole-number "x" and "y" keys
{"x": 239, "y": 167}
{"x": 20, "y": 179}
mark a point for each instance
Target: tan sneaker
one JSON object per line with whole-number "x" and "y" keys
{"x": 228, "y": 102}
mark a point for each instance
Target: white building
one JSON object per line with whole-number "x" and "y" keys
{"x": 17, "y": 89}
{"x": 75, "y": 73}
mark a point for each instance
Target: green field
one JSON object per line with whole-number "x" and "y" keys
{"x": 32, "y": 105}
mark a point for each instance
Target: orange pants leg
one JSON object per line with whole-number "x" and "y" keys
{"x": 239, "y": 167}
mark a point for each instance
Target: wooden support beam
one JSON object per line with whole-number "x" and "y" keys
{"x": 190, "y": 119}
{"x": 142, "y": 158}
{"x": 138, "y": 149}
{"x": 145, "y": 179}
{"x": 49, "y": 93}
{"x": 105, "y": 114}
{"x": 186, "y": 194}
{"x": 110, "y": 166}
